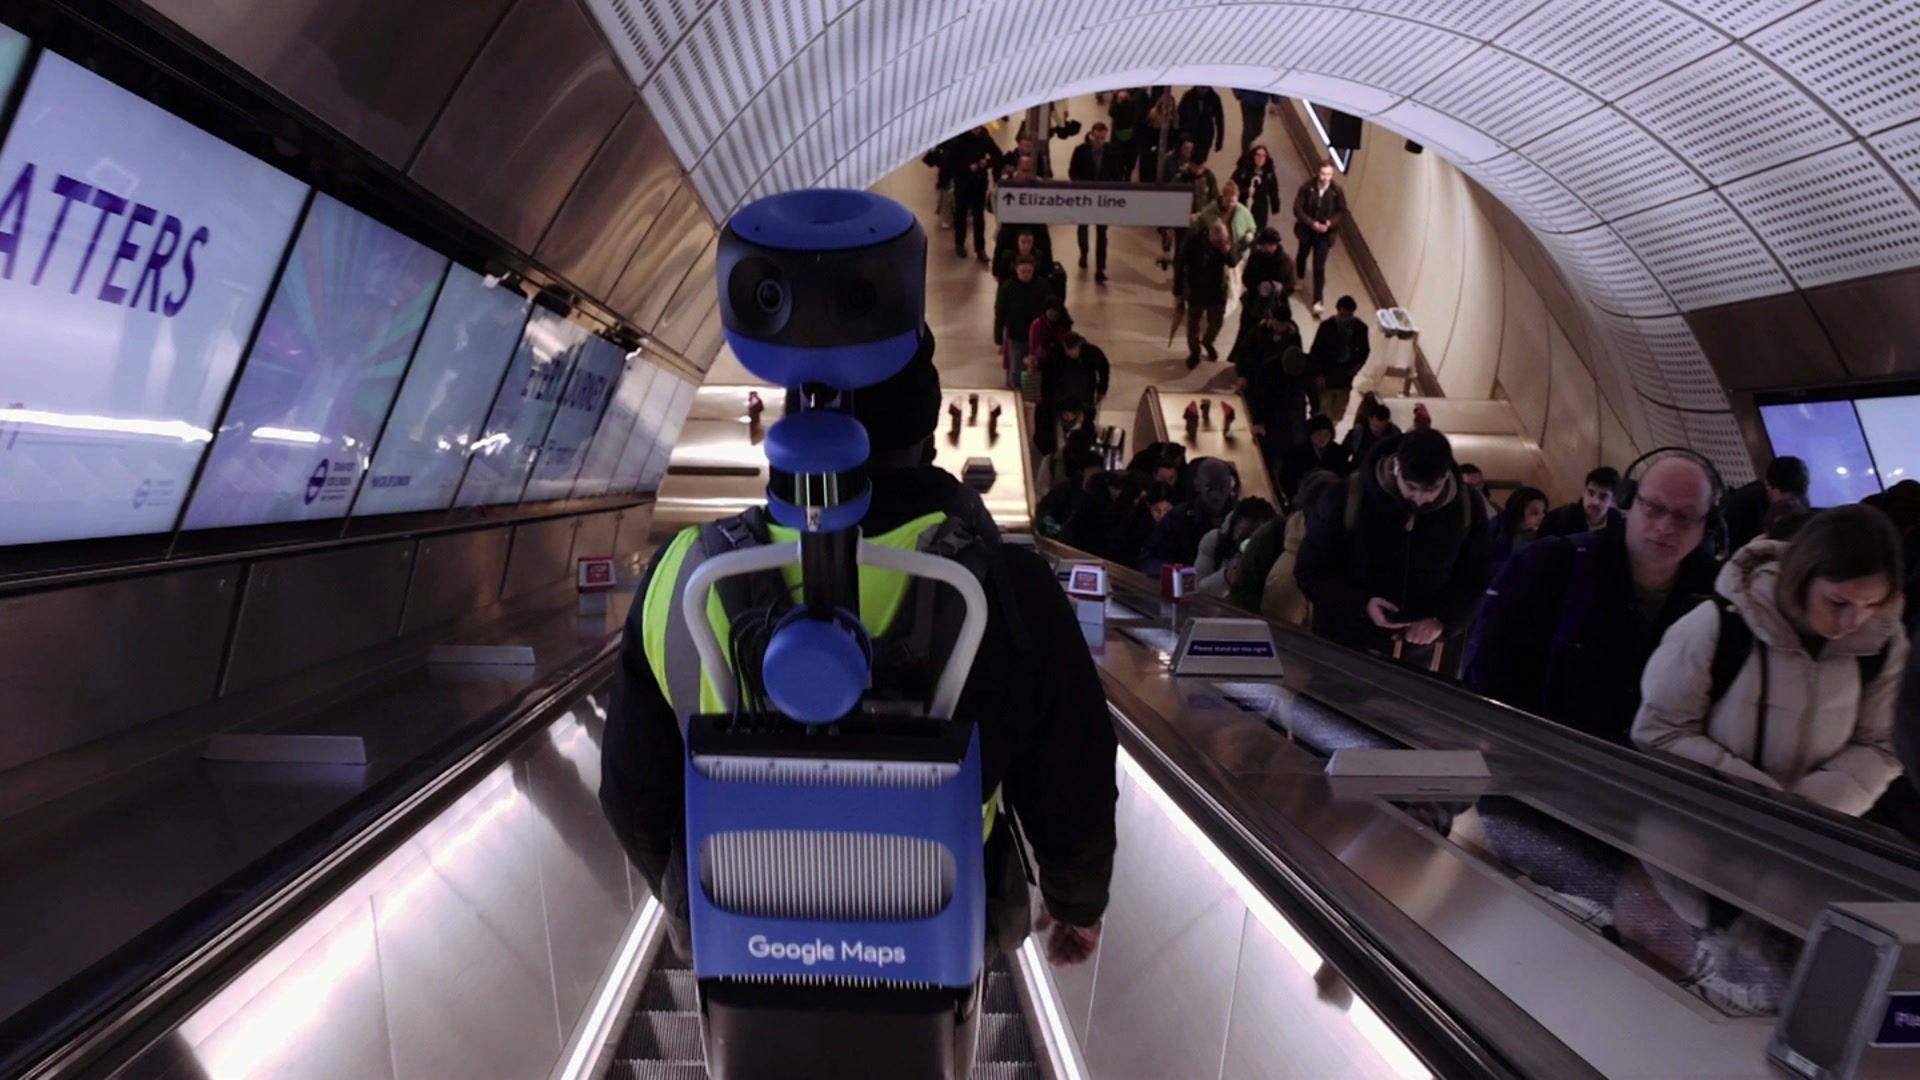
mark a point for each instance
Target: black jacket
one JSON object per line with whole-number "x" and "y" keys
{"x": 1062, "y": 377}
{"x": 1559, "y": 636}
{"x": 1261, "y": 267}
{"x": 1311, "y": 205}
{"x": 1571, "y": 520}
{"x": 1303, "y": 459}
{"x": 1202, "y": 117}
{"x": 1259, "y": 189}
{"x": 1340, "y": 351}
{"x": 1361, "y": 440}
{"x": 1207, "y": 269}
{"x": 962, "y": 151}
{"x": 1080, "y": 166}
{"x": 1434, "y": 561}
{"x": 1044, "y": 732}
{"x": 1745, "y": 512}
{"x": 1016, "y": 305}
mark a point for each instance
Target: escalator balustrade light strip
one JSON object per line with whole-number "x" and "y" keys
{"x": 600, "y": 1026}
{"x": 1064, "y": 1049}
{"x": 1365, "y": 1021}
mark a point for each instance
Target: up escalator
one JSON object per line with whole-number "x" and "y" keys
{"x": 1219, "y": 426}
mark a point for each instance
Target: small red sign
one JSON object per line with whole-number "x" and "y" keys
{"x": 596, "y": 573}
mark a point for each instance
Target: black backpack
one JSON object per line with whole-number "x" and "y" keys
{"x": 1730, "y": 651}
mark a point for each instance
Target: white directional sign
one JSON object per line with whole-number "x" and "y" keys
{"x": 1048, "y": 203}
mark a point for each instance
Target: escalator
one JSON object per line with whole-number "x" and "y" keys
{"x": 663, "y": 1042}
{"x": 1162, "y": 417}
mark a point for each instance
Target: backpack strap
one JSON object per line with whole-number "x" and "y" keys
{"x": 1356, "y": 490}
{"x": 1871, "y": 666}
{"x": 1730, "y": 649}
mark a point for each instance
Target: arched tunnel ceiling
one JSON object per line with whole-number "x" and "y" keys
{"x": 1670, "y": 154}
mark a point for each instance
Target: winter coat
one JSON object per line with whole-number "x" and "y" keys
{"x": 1559, "y": 635}
{"x": 1259, "y": 189}
{"x": 1828, "y": 738}
{"x": 1202, "y": 117}
{"x": 1361, "y": 440}
{"x": 1206, "y": 190}
{"x": 1239, "y": 223}
{"x": 1262, "y": 267}
{"x": 962, "y": 151}
{"x": 1016, "y": 305}
{"x": 1063, "y": 378}
{"x": 1081, "y": 165}
{"x": 1207, "y": 270}
{"x": 1175, "y": 539}
{"x": 1301, "y": 459}
{"x": 1310, "y": 204}
{"x": 1340, "y": 350}
{"x": 1432, "y": 561}
{"x": 1571, "y": 520}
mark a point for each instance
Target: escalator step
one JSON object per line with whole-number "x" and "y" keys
{"x": 1001, "y": 996}
{"x": 657, "y": 1070}
{"x": 671, "y": 990}
{"x": 1004, "y": 1038}
{"x": 1007, "y": 1070}
{"x": 664, "y": 1037}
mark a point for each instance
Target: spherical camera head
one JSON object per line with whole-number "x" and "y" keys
{"x": 824, "y": 286}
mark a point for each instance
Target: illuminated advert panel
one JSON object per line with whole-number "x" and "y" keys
{"x": 499, "y": 461}
{"x": 596, "y": 473}
{"x": 581, "y": 406}
{"x": 135, "y": 252}
{"x": 316, "y": 388}
{"x": 455, "y": 372}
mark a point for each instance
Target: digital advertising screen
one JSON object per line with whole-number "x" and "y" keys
{"x": 299, "y": 430}
{"x": 575, "y": 420}
{"x": 1892, "y": 427}
{"x": 500, "y": 459}
{"x": 135, "y": 254}
{"x": 603, "y": 457}
{"x": 656, "y": 470}
{"x": 455, "y": 373}
{"x": 1827, "y": 436}
{"x": 651, "y": 417}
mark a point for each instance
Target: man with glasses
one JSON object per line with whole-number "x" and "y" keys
{"x": 1397, "y": 557}
{"x": 1570, "y": 623}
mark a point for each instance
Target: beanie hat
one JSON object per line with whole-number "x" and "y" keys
{"x": 905, "y": 408}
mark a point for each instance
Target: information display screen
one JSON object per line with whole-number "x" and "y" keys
{"x": 1827, "y": 436}
{"x": 135, "y": 253}
{"x": 501, "y": 458}
{"x": 581, "y": 406}
{"x": 603, "y": 457}
{"x": 1892, "y": 427}
{"x": 323, "y": 372}
{"x": 646, "y": 431}
{"x": 676, "y": 420}
{"x": 455, "y": 373}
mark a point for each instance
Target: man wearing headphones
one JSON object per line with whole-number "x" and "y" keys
{"x": 1570, "y": 622}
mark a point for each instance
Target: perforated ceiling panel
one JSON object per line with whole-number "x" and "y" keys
{"x": 1671, "y": 154}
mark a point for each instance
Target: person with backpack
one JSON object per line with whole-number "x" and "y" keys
{"x": 1568, "y": 625}
{"x": 1788, "y": 679}
{"x": 1398, "y": 556}
{"x": 1047, "y": 744}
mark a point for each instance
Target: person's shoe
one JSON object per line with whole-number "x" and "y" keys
{"x": 1319, "y": 309}
{"x": 1083, "y": 262}
{"x": 1193, "y": 360}
{"x": 1099, "y": 277}
{"x": 1212, "y": 353}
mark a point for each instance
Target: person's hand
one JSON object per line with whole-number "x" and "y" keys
{"x": 1067, "y": 944}
{"x": 1319, "y": 226}
{"x": 1259, "y": 431}
{"x": 1380, "y": 612}
{"x": 1425, "y": 631}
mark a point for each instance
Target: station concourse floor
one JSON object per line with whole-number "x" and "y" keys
{"x": 1129, "y": 316}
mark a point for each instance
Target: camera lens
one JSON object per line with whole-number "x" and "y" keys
{"x": 769, "y": 295}
{"x": 857, "y": 298}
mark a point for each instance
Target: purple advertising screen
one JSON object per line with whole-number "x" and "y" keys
{"x": 322, "y": 374}
{"x": 135, "y": 254}
{"x": 500, "y": 459}
{"x": 1827, "y": 436}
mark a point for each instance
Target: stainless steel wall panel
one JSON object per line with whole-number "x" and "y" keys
{"x": 1282, "y": 1023}
{"x": 453, "y": 574}
{"x": 696, "y": 295}
{"x": 374, "y": 70}
{"x": 160, "y": 637}
{"x": 631, "y": 543}
{"x": 542, "y": 554}
{"x": 308, "y": 609}
{"x": 617, "y": 200}
{"x": 1874, "y": 322}
{"x": 534, "y": 108}
{"x": 596, "y": 534}
{"x": 661, "y": 263}
{"x": 1172, "y": 935}
{"x": 463, "y": 949}
{"x": 581, "y": 861}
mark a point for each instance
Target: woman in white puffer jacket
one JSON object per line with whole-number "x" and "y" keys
{"x": 1824, "y": 612}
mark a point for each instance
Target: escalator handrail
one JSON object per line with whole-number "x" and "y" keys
{"x": 103, "y": 1035}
